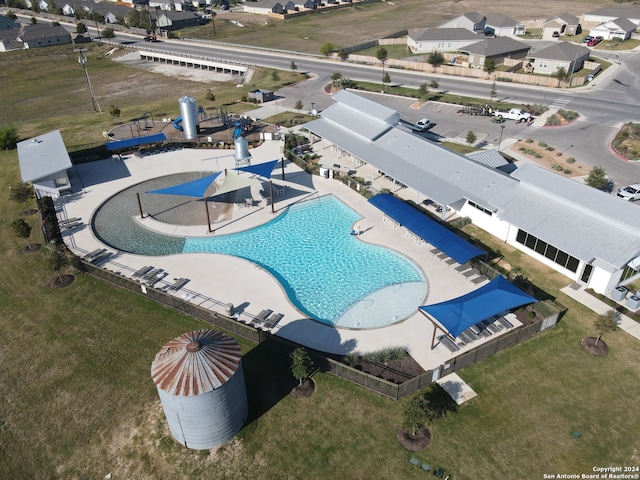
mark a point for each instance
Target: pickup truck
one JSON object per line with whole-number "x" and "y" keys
{"x": 514, "y": 114}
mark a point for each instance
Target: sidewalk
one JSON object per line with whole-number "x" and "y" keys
{"x": 579, "y": 294}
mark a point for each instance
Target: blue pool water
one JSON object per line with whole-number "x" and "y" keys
{"x": 327, "y": 273}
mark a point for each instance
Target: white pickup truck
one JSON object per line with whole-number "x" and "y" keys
{"x": 514, "y": 114}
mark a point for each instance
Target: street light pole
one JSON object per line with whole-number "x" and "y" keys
{"x": 82, "y": 60}
{"x": 500, "y": 141}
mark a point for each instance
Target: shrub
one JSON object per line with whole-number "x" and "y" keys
{"x": 555, "y": 166}
{"x": 553, "y": 120}
{"x": 568, "y": 114}
{"x": 570, "y": 160}
{"x": 551, "y": 149}
{"x": 460, "y": 222}
{"x": 529, "y": 140}
{"x": 566, "y": 171}
{"x": 542, "y": 144}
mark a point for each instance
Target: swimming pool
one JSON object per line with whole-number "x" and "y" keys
{"x": 328, "y": 274}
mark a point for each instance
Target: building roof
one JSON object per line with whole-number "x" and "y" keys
{"x": 617, "y": 11}
{"x": 195, "y": 363}
{"x": 474, "y": 17}
{"x": 494, "y": 47}
{"x": 7, "y": 23}
{"x": 584, "y": 222}
{"x": 565, "y": 18}
{"x": 565, "y": 51}
{"x": 490, "y": 158}
{"x": 41, "y": 31}
{"x": 618, "y": 24}
{"x": 500, "y": 21}
{"x": 441, "y": 34}
{"x": 42, "y": 156}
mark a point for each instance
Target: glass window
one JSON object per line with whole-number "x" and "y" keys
{"x": 521, "y": 236}
{"x": 541, "y": 247}
{"x": 573, "y": 263}
{"x": 551, "y": 253}
{"x": 531, "y": 242}
{"x": 562, "y": 258}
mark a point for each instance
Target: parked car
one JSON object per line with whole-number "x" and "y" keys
{"x": 423, "y": 124}
{"x": 555, "y": 34}
{"x": 588, "y": 38}
{"x": 630, "y": 193}
{"x": 593, "y": 42}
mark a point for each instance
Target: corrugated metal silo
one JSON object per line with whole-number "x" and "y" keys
{"x": 201, "y": 385}
{"x": 189, "y": 113}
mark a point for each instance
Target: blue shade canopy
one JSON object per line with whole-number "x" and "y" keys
{"x": 262, "y": 169}
{"x": 133, "y": 142}
{"x": 427, "y": 229}
{"x": 458, "y": 314}
{"x": 195, "y": 188}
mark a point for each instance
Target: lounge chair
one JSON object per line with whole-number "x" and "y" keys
{"x": 90, "y": 256}
{"x": 505, "y": 323}
{"x": 479, "y": 279}
{"x": 414, "y": 461}
{"x": 142, "y": 271}
{"x": 178, "y": 284}
{"x": 101, "y": 256}
{"x": 261, "y": 317}
{"x": 450, "y": 344}
{"x": 426, "y": 467}
{"x": 273, "y": 320}
{"x": 150, "y": 274}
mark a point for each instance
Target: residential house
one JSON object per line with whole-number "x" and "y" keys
{"x": 620, "y": 29}
{"x": 111, "y": 11}
{"x": 307, "y": 4}
{"x": 166, "y": 5}
{"x": 608, "y": 14}
{"x": 497, "y": 49}
{"x": 264, "y": 7}
{"x": 562, "y": 24}
{"x": 7, "y": 23}
{"x": 43, "y": 35}
{"x": 175, "y": 20}
{"x": 10, "y": 40}
{"x": 472, "y": 21}
{"x": 44, "y": 163}
{"x": 565, "y": 55}
{"x": 427, "y": 40}
{"x": 502, "y": 26}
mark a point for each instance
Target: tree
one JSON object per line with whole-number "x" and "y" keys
{"x": 335, "y": 79}
{"x": 416, "y": 414}
{"x": 424, "y": 90}
{"x": 561, "y": 74}
{"x": 210, "y": 96}
{"x": 382, "y": 55}
{"x": 293, "y": 66}
{"x": 435, "y": 59}
{"x": 493, "y": 93}
{"x": 108, "y": 33}
{"x": 605, "y": 323}
{"x": 274, "y": 76}
{"x": 301, "y": 364}
{"x": 489, "y": 65}
{"x": 22, "y": 229}
{"x": 11, "y": 15}
{"x": 386, "y": 79}
{"x": 327, "y": 49}
{"x": 213, "y": 22}
{"x": 81, "y": 28}
{"x": 56, "y": 260}
{"x": 434, "y": 85}
{"x": 21, "y": 193}
{"x": 8, "y": 138}
{"x": 299, "y": 105}
{"x": 597, "y": 178}
{"x": 342, "y": 54}
{"x": 471, "y": 138}
{"x": 114, "y": 111}
{"x": 34, "y": 20}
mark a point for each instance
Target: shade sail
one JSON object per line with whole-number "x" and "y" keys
{"x": 133, "y": 142}
{"x": 262, "y": 169}
{"x": 195, "y": 188}
{"x": 234, "y": 182}
{"x": 458, "y": 314}
{"x": 427, "y": 229}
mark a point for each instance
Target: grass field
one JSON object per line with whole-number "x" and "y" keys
{"x": 78, "y": 401}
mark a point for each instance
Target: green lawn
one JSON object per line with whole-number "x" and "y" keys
{"x": 78, "y": 401}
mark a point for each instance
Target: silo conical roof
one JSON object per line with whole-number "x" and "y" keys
{"x": 196, "y": 362}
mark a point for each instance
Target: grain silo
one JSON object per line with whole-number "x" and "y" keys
{"x": 189, "y": 114}
{"x": 201, "y": 386}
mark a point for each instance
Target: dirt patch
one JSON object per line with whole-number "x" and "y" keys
{"x": 413, "y": 443}
{"x": 595, "y": 347}
{"x": 31, "y": 249}
{"x": 61, "y": 281}
{"x": 551, "y": 158}
{"x": 304, "y": 390}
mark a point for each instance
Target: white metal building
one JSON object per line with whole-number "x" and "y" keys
{"x": 586, "y": 234}
{"x": 44, "y": 162}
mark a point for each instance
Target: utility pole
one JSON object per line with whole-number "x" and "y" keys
{"x": 82, "y": 60}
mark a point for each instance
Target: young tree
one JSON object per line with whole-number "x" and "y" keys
{"x": 8, "y": 138}
{"x": 34, "y": 20}
{"x": 489, "y": 65}
{"x": 301, "y": 364}
{"x": 108, "y": 33}
{"x": 81, "y": 28}
{"x": 423, "y": 90}
{"x": 274, "y": 76}
{"x": 210, "y": 95}
{"x": 386, "y": 79}
{"x": 471, "y": 138}
{"x": 435, "y": 59}
{"x": 597, "y": 178}
{"x": 382, "y": 56}
{"x": 293, "y": 66}
{"x": 342, "y": 54}
{"x": 561, "y": 74}
{"x": 22, "y": 229}
{"x": 416, "y": 414}
{"x": 493, "y": 93}
{"x": 299, "y": 105}
{"x": 56, "y": 261}
{"x": 327, "y": 49}
{"x": 21, "y": 193}
{"x": 11, "y": 15}
{"x": 336, "y": 77}
{"x": 434, "y": 85}
{"x": 114, "y": 111}
{"x": 605, "y": 323}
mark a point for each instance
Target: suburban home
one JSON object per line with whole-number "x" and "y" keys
{"x": 590, "y": 236}
{"x": 472, "y": 21}
{"x": 619, "y": 29}
{"x": 110, "y": 12}
{"x": 264, "y": 7}
{"x": 7, "y": 23}
{"x": 307, "y": 4}
{"x": 43, "y": 5}
{"x": 10, "y": 40}
{"x": 497, "y": 49}
{"x": 607, "y": 14}
{"x": 43, "y": 35}
{"x": 44, "y": 163}
{"x": 563, "y": 24}
{"x": 427, "y": 40}
{"x": 502, "y": 26}
{"x": 565, "y": 55}
{"x": 175, "y": 20}
{"x": 163, "y": 4}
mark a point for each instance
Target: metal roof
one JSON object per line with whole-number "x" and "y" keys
{"x": 491, "y": 47}
{"x": 195, "y": 363}
{"x": 435, "y": 34}
{"x": 490, "y": 158}
{"x": 42, "y": 156}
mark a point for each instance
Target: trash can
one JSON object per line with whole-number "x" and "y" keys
{"x": 619, "y": 293}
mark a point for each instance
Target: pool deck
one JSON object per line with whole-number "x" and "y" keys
{"x": 216, "y": 280}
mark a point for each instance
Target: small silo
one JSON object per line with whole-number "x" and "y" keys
{"x": 201, "y": 386}
{"x": 189, "y": 114}
{"x": 241, "y": 153}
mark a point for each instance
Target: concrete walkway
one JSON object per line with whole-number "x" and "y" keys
{"x": 457, "y": 389}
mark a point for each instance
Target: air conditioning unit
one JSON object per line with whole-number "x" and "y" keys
{"x": 619, "y": 293}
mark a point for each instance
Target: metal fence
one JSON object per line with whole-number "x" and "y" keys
{"x": 553, "y": 312}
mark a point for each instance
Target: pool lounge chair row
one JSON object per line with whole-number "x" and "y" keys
{"x": 266, "y": 320}
{"x": 97, "y": 255}
{"x": 483, "y": 329}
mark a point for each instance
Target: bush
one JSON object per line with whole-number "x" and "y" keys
{"x": 566, "y": 171}
{"x": 551, "y": 149}
{"x": 555, "y": 166}
{"x": 8, "y": 138}
{"x": 553, "y": 120}
{"x": 570, "y": 160}
{"x": 460, "y": 222}
{"x": 568, "y": 114}
{"x": 529, "y": 140}
{"x": 542, "y": 144}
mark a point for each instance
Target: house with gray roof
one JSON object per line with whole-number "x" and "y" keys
{"x": 497, "y": 49}
{"x": 7, "y": 23}
{"x": 589, "y": 236}
{"x": 174, "y": 20}
{"x": 565, "y": 55}
{"x": 427, "y": 40}
{"x": 472, "y": 21}
{"x": 264, "y": 7}
{"x": 10, "y": 40}
{"x": 43, "y": 35}
{"x": 607, "y": 14}
{"x": 503, "y": 26}
{"x": 563, "y": 24}
{"x": 44, "y": 163}
{"x": 619, "y": 29}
